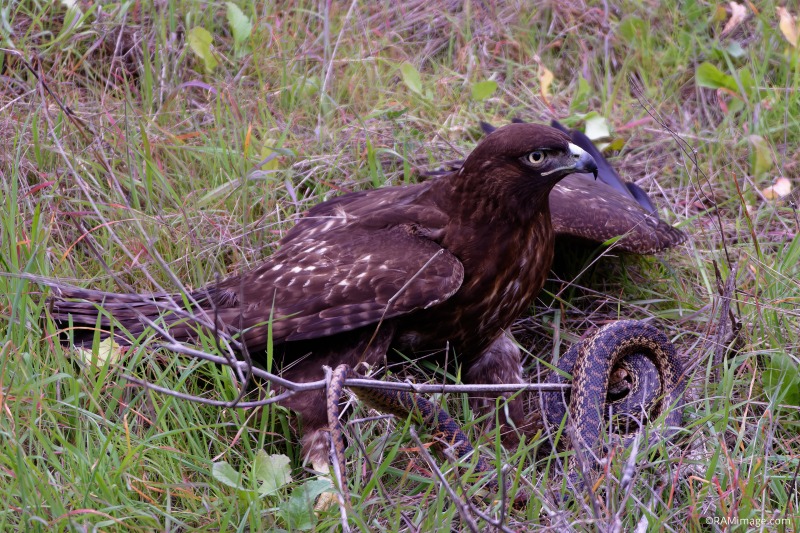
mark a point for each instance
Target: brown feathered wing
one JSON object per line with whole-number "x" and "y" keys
{"x": 314, "y": 285}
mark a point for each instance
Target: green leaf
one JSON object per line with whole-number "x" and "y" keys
{"x": 735, "y": 49}
{"x": 781, "y": 380}
{"x": 411, "y": 77}
{"x": 483, "y": 89}
{"x": 298, "y": 511}
{"x": 266, "y": 151}
{"x": 707, "y": 75}
{"x": 224, "y": 473}
{"x": 200, "y": 43}
{"x": 395, "y": 114}
{"x": 747, "y": 81}
{"x": 632, "y": 29}
{"x": 760, "y": 155}
{"x": 271, "y": 472}
{"x": 597, "y": 128}
{"x": 791, "y": 255}
{"x": 240, "y": 24}
{"x": 582, "y": 93}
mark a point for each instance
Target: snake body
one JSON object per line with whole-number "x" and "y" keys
{"x": 650, "y": 359}
{"x": 644, "y": 351}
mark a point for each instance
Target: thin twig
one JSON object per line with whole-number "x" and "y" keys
{"x": 461, "y": 507}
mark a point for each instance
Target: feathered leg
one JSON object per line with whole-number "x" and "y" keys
{"x": 499, "y": 363}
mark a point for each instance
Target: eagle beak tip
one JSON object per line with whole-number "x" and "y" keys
{"x": 584, "y": 162}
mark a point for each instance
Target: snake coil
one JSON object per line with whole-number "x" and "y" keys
{"x": 641, "y": 348}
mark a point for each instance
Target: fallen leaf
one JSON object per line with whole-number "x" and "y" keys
{"x": 760, "y": 155}
{"x": 738, "y": 14}
{"x": 108, "y": 351}
{"x": 788, "y": 26}
{"x": 597, "y": 128}
{"x": 780, "y": 188}
{"x": 545, "y": 81}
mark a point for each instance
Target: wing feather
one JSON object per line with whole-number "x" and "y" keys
{"x": 316, "y": 286}
{"x": 583, "y": 207}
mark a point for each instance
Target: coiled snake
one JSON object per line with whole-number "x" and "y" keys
{"x": 657, "y": 385}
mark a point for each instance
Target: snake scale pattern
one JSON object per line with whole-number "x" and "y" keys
{"x": 657, "y": 387}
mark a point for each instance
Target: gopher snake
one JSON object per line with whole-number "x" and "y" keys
{"x": 649, "y": 357}
{"x": 640, "y": 346}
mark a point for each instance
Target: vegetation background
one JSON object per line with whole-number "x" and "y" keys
{"x": 148, "y": 142}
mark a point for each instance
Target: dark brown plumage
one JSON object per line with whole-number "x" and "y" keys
{"x": 602, "y": 209}
{"x": 447, "y": 263}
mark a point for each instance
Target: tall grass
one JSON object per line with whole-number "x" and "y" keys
{"x": 127, "y": 163}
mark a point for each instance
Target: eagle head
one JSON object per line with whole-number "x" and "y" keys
{"x": 525, "y": 161}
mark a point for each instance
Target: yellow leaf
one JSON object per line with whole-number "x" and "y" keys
{"x": 760, "y": 155}
{"x": 782, "y": 187}
{"x": 788, "y": 26}
{"x": 738, "y": 14}
{"x": 268, "y": 153}
{"x": 545, "y": 81}
{"x": 107, "y": 351}
{"x": 247, "y": 138}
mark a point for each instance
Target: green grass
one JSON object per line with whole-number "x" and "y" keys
{"x": 168, "y": 171}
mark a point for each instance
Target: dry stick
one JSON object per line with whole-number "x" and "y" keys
{"x": 725, "y": 316}
{"x": 293, "y": 387}
{"x": 461, "y": 507}
{"x": 503, "y": 507}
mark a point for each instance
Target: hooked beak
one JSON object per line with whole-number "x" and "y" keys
{"x": 583, "y": 161}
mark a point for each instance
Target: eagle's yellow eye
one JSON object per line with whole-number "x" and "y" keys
{"x": 536, "y": 157}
